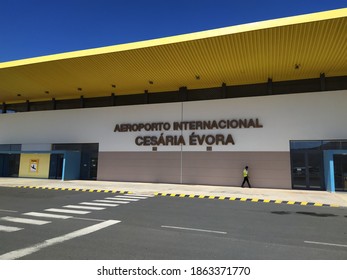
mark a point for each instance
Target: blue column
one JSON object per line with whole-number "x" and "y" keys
{"x": 63, "y": 171}
{"x": 329, "y": 170}
{"x": 332, "y": 176}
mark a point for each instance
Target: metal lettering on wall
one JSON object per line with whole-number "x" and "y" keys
{"x": 194, "y": 138}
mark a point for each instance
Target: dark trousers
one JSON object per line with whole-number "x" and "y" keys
{"x": 245, "y": 179}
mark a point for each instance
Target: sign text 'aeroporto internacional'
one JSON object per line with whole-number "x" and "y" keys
{"x": 194, "y": 138}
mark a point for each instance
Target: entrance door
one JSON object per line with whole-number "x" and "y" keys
{"x": 89, "y": 166}
{"x": 89, "y": 157}
{"x": 315, "y": 170}
{"x": 340, "y": 172}
{"x": 9, "y": 165}
{"x": 307, "y": 170}
{"x": 299, "y": 170}
{"x": 93, "y": 168}
{"x": 56, "y": 166}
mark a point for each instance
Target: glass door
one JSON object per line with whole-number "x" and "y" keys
{"x": 56, "y": 166}
{"x": 307, "y": 170}
{"x": 298, "y": 170}
{"x": 340, "y": 172}
{"x": 93, "y": 168}
{"x": 315, "y": 170}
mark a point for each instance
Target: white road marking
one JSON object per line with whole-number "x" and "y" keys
{"x": 88, "y": 219}
{"x": 25, "y": 221}
{"x": 105, "y": 201}
{"x": 126, "y": 199}
{"x": 50, "y": 242}
{"x": 46, "y": 215}
{"x": 118, "y": 201}
{"x": 195, "y": 229}
{"x": 99, "y": 204}
{"x": 67, "y": 211}
{"x": 143, "y": 195}
{"x": 4, "y": 210}
{"x": 327, "y": 244}
{"x": 132, "y": 196}
{"x": 84, "y": 207}
{"x": 9, "y": 229}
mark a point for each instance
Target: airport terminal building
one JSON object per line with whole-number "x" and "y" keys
{"x": 191, "y": 109}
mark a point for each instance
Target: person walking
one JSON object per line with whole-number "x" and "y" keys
{"x": 245, "y": 177}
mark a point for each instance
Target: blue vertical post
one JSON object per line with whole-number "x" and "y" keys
{"x": 332, "y": 176}
{"x": 64, "y": 165}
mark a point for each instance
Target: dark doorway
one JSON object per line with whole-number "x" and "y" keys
{"x": 56, "y": 166}
{"x": 89, "y": 157}
{"x": 307, "y": 170}
{"x": 9, "y": 165}
{"x": 340, "y": 172}
{"x": 93, "y": 168}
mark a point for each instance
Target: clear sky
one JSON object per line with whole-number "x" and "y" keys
{"x": 30, "y": 28}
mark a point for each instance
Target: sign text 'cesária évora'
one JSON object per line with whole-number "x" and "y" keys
{"x": 167, "y": 137}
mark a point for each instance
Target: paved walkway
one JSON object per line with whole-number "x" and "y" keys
{"x": 318, "y": 197}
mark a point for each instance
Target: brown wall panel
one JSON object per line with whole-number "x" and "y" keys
{"x": 266, "y": 169}
{"x": 140, "y": 166}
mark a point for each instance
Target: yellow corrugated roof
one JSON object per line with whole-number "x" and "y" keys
{"x": 243, "y": 54}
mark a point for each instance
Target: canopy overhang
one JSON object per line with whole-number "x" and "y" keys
{"x": 293, "y": 48}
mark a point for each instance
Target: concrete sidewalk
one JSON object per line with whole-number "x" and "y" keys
{"x": 319, "y": 197}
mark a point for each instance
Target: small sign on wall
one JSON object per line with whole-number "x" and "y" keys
{"x": 34, "y": 166}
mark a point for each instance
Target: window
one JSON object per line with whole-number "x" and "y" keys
{"x": 305, "y": 145}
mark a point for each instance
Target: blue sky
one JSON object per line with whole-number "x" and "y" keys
{"x": 30, "y": 28}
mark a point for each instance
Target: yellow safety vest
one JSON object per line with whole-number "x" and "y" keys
{"x": 245, "y": 172}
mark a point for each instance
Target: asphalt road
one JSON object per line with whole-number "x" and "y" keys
{"x": 164, "y": 228}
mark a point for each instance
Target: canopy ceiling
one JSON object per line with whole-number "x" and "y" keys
{"x": 293, "y": 48}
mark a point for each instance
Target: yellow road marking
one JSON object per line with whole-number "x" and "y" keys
{"x": 318, "y": 204}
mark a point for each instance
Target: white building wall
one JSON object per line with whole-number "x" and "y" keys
{"x": 308, "y": 116}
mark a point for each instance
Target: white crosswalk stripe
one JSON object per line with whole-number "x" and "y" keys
{"x": 24, "y": 221}
{"x": 84, "y": 207}
{"x": 98, "y": 204}
{"x": 105, "y": 201}
{"x": 126, "y": 199}
{"x": 117, "y": 200}
{"x": 67, "y": 211}
{"x": 9, "y": 229}
{"x": 145, "y": 195}
{"x": 46, "y": 215}
{"x": 133, "y": 196}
